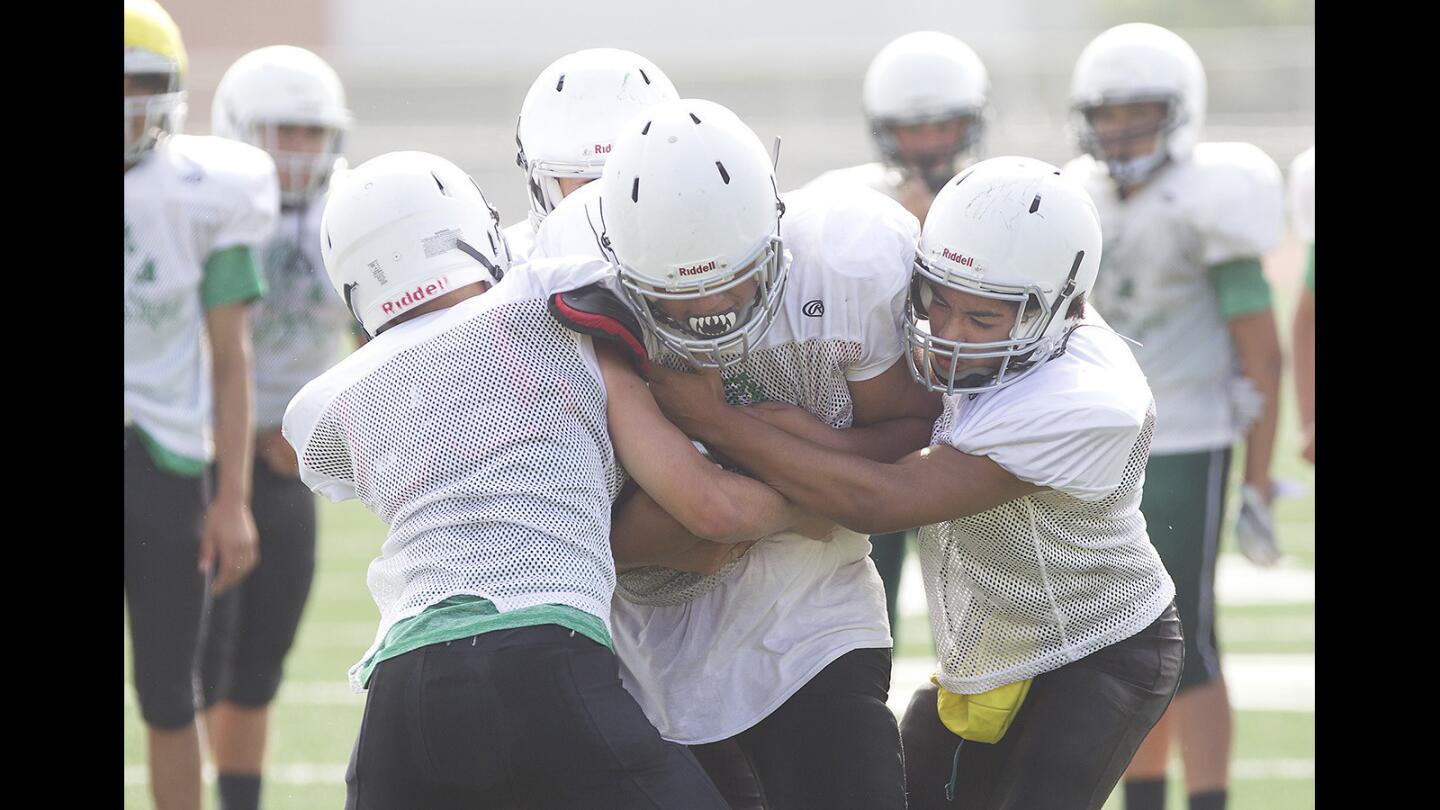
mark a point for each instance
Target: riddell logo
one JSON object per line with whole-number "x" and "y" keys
{"x": 958, "y": 258}
{"x": 698, "y": 269}
{"x": 414, "y": 296}
{"x": 603, "y": 150}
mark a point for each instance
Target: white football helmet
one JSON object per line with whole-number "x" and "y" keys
{"x": 689, "y": 208}
{"x": 154, "y": 55}
{"x": 923, "y": 77}
{"x": 278, "y": 85}
{"x": 573, "y": 111}
{"x": 1139, "y": 62}
{"x": 402, "y": 229}
{"x": 1010, "y": 229}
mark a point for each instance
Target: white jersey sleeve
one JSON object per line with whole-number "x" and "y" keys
{"x": 1072, "y": 429}
{"x": 862, "y": 246}
{"x": 241, "y": 185}
{"x": 874, "y": 176}
{"x": 302, "y": 417}
{"x": 1241, "y": 201}
{"x": 1302, "y": 194}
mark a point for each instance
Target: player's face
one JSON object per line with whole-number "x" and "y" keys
{"x": 569, "y": 185}
{"x": 713, "y": 315}
{"x": 925, "y": 145}
{"x": 137, "y": 85}
{"x": 968, "y": 318}
{"x": 1127, "y": 131}
{"x": 296, "y": 139}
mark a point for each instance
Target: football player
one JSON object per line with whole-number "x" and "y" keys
{"x": 289, "y": 102}
{"x": 926, "y": 97}
{"x": 1053, "y": 619}
{"x": 1302, "y": 215}
{"x": 785, "y": 651}
{"x": 196, "y": 211}
{"x": 1186, "y": 225}
{"x": 568, "y": 122}
{"x": 488, "y": 435}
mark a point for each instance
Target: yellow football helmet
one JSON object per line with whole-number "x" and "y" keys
{"x": 155, "y": 65}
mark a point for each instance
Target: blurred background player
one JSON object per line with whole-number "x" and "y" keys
{"x": 785, "y": 653}
{"x": 288, "y": 102}
{"x": 1302, "y": 217}
{"x": 568, "y": 123}
{"x": 196, "y": 208}
{"x": 1185, "y": 227}
{"x": 489, "y": 438}
{"x": 1053, "y": 616}
{"x": 926, "y": 97}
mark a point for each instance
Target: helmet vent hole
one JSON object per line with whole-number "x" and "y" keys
{"x": 961, "y": 178}
{"x": 439, "y": 184}
{"x": 724, "y": 175}
{"x": 1035, "y": 204}
{"x": 693, "y": 118}
{"x": 643, "y": 76}
{"x": 635, "y": 191}
{"x": 646, "y": 130}
{"x": 560, "y": 85}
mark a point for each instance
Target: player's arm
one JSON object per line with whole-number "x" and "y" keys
{"x": 641, "y": 534}
{"x": 930, "y": 485}
{"x": 229, "y": 538}
{"x": 1302, "y": 344}
{"x": 708, "y": 501}
{"x": 1245, "y": 303}
{"x": 892, "y": 417}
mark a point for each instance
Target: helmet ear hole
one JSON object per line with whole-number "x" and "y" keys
{"x": 920, "y": 296}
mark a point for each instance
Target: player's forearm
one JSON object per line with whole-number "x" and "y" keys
{"x": 885, "y": 442}
{"x": 234, "y": 449}
{"x": 641, "y": 533}
{"x": 1258, "y": 345}
{"x": 1303, "y": 349}
{"x": 843, "y": 487}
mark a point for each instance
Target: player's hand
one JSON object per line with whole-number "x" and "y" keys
{"x": 277, "y": 453}
{"x": 689, "y": 399}
{"x": 705, "y": 557}
{"x": 229, "y": 543}
{"x": 1255, "y": 529}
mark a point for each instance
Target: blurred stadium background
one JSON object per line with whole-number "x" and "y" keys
{"x": 448, "y": 76}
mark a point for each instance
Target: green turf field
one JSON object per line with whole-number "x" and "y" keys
{"x": 1267, "y": 626}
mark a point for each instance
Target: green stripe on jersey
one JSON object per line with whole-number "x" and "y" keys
{"x": 231, "y": 276}
{"x": 169, "y": 460}
{"x": 463, "y": 616}
{"x": 1241, "y": 287}
{"x": 1310, "y": 270}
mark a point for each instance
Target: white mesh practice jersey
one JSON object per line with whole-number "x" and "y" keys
{"x": 1302, "y": 195}
{"x": 187, "y": 199}
{"x": 1154, "y": 286}
{"x": 478, "y": 434}
{"x": 295, "y": 330}
{"x": 521, "y": 239}
{"x": 709, "y": 657}
{"x": 874, "y": 176}
{"x": 1041, "y": 581}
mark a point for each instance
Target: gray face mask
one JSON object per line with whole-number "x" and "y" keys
{"x": 1134, "y": 171}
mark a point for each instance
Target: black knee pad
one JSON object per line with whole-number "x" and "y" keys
{"x": 166, "y": 706}
{"x": 255, "y": 682}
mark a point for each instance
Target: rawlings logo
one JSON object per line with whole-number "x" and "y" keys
{"x": 414, "y": 296}
{"x": 814, "y": 309}
{"x": 958, "y": 258}
{"x": 697, "y": 269}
